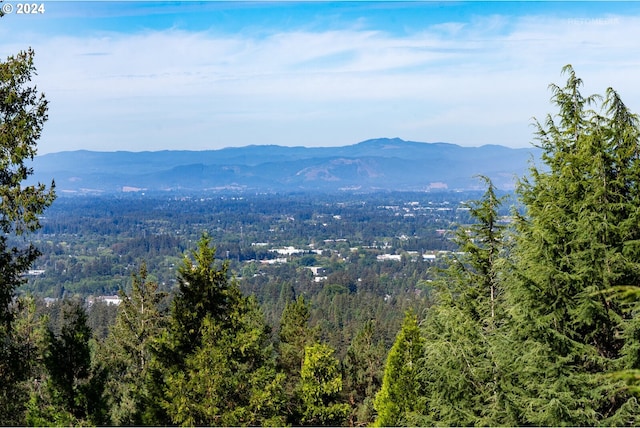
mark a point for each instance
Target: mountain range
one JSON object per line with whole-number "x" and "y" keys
{"x": 378, "y": 164}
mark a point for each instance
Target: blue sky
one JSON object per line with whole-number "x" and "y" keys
{"x": 205, "y": 75}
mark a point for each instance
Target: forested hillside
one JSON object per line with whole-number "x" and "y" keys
{"x": 387, "y": 310}
{"x": 381, "y": 164}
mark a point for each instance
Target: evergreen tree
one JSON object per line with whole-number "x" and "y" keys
{"x": 22, "y": 115}
{"x": 204, "y": 290}
{"x": 295, "y": 334}
{"x": 213, "y": 364}
{"x": 231, "y": 379}
{"x": 577, "y": 238}
{"x": 398, "y": 398}
{"x": 461, "y": 370}
{"x": 30, "y": 333}
{"x": 73, "y": 386}
{"x": 363, "y": 370}
{"x": 126, "y": 352}
{"x": 321, "y": 387}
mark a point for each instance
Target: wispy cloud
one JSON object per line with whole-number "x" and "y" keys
{"x": 473, "y": 82}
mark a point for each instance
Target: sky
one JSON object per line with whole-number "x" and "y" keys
{"x": 200, "y": 75}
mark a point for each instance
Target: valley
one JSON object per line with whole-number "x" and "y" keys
{"x": 355, "y": 257}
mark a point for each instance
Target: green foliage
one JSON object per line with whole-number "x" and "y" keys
{"x": 231, "y": 380}
{"x": 126, "y": 352}
{"x": 362, "y": 373}
{"x": 475, "y": 279}
{"x": 213, "y": 364}
{"x": 577, "y": 239}
{"x": 321, "y": 386}
{"x": 101, "y": 316}
{"x": 204, "y": 290}
{"x": 68, "y": 359}
{"x": 23, "y": 112}
{"x": 401, "y": 389}
{"x": 72, "y": 386}
{"x": 461, "y": 369}
{"x": 295, "y": 334}
{"x": 22, "y": 115}
{"x": 29, "y": 337}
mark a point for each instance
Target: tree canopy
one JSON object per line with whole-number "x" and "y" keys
{"x": 528, "y": 327}
{"x": 23, "y": 112}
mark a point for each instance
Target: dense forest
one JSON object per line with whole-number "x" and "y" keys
{"x": 292, "y": 315}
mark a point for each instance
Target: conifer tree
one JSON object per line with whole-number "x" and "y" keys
{"x": 204, "y": 289}
{"x": 230, "y": 380}
{"x": 461, "y": 369}
{"x": 213, "y": 364}
{"x": 295, "y": 334}
{"x": 72, "y": 393}
{"x": 398, "y": 398}
{"x": 577, "y": 238}
{"x": 363, "y": 368}
{"x": 30, "y": 333}
{"x": 23, "y": 112}
{"x": 321, "y": 387}
{"x": 126, "y": 353}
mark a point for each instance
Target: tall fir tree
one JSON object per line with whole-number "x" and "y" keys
{"x": 397, "y": 401}
{"x": 321, "y": 384}
{"x": 30, "y": 333}
{"x": 294, "y": 335}
{"x": 73, "y": 386}
{"x": 362, "y": 369}
{"x": 577, "y": 238}
{"x": 126, "y": 352}
{"x": 461, "y": 369}
{"x": 213, "y": 364}
{"x": 23, "y": 112}
{"x": 231, "y": 379}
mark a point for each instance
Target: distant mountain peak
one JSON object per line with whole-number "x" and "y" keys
{"x": 383, "y": 141}
{"x": 375, "y": 164}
